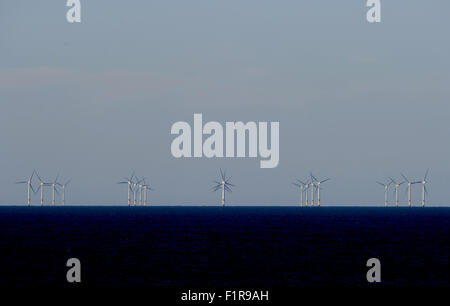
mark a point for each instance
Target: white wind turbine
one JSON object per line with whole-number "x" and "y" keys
{"x": 318, "y": 189}
{"x": 306, "y": 188}
{"x": 29, "y": 187}
{"x": 141, "y": 185}
{"x": 146, "y": 187}
{"x": 397, "y": 185}
{"x": 312, "y": 186}
{"x": 316, "y": 183}
{"x": 42, "y": 184}
{"x": 54, "y": 189}
{"x": 424, "y": 188}
{"x": 409, "y": 188}
{"x": 63, "y": 193}
{"x": 301, "y": 185}
{"x": 386, "y": 190}
{"x": 224, "y": 184}
{"x": 135, "y": 185}
{"x": 129, "y": 182}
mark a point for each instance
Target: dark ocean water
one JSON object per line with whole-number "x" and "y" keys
{"x": 231, "y": 246}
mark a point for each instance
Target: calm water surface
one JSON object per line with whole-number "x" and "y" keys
{"x": 231, "y": 246}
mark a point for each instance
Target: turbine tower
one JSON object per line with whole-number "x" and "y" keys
{"x": 301, "y": 185}
{"x": 409, "y": 188}
{"x": 135, "y": 184}
{"x": 397, "y": 185}
{"x": 306, "y": 188}
{"x": 54, "y": 190}
{"x": 129, "y": 182}
{"x": 424, "y": 188}
{"x": 312, "y": 185}
{"x": 63, "y": 195}
{"x": 141, "y": 189}
{"x": 386, "y": 190}
{"x": 29, "y": 187}
{"x": 141, "y": 184}
{"x": 224, "y": 184}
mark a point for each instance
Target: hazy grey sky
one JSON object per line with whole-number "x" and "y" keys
{"x": 356, "y": 102}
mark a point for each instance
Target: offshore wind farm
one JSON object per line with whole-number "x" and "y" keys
{"x": 224, "y": 144}
{"x": 137, "y": 189}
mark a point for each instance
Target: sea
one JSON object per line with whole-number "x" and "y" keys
{"x": 235, "y": 247}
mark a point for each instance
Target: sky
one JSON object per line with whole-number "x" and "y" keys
{"x": 94, "y": 101}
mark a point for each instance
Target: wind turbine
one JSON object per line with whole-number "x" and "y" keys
{"x": 41, "y": 188}
{"x": 409, "y": 188}
{"x": 54, "y": 184}
{"x": 146, "y": 188}
{"x": 63, "y": 187}
{"x": 315, "y": 183}
{"x": 386, "y": 190}
{"x": 312, "y": 185}
{"x": 301, "y": 185}
{"x": 318, "y": 189}
{"x": 129, "y": 182}
{"x": 223, "y": 184}
{"x": 306, "y": 188}
{"x": 29, "y": 186}
{"x": 141, "y": 184}
{"x": 135, "y": 184}
{"x": 424, "y": 188}
{"x": 397, "y": 185}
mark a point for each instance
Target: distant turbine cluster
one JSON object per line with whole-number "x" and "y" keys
{"x": 311, "y": 184}
{"x": 138, "y": 188}
{"x": 409, "y": 183}
{"x": 54, "y": 185}
{"x": 223, "y": 184}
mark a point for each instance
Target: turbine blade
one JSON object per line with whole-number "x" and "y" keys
{"x": 40, "y": 180}
{"x": 426, "y": 174}
{"x": 404, "y": 177}
{"x": 37, "y": 190}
